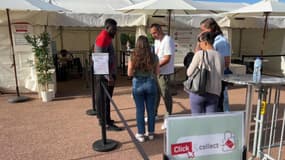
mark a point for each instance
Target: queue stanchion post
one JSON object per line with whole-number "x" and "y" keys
{"x": 104, "y": 144}
{"x": 93, "y": 111}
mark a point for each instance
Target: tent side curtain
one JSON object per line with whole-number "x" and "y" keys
{"x": 95, "y": 20}
{"x": 31, "y": 17}
{"x": 72, "y": 19}
{"x": 130, "y": 20}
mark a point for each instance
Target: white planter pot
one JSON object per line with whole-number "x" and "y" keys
{"x": 47, "y": 95}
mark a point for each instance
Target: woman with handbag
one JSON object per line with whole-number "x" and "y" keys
{"x": 207, "y": 59}
{"x": 143, "y": 67}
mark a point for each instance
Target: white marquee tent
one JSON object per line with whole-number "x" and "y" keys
{"x": 82, "y": 24}
{"x": 23, "y": 14}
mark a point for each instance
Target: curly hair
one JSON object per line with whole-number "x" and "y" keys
{"x": 143, "y": 58}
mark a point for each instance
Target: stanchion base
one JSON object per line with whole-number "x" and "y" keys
{"x": 18, "y": 99}
{"x": 91, "y": 112}
{"x": 165, "y": 157}
{"x": 101, "y": 147}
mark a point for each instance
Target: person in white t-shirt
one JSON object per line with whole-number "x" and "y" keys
{"x": 164, "y": 48}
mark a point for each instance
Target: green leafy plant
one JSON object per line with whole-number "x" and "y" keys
{"x": 43, "y": 60}
{"x": 150, "y": 39}
{"x": 132, "y": 40}
{"x": 124, "y": 38}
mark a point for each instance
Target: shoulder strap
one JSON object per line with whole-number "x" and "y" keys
{"x": 207, "y": 59}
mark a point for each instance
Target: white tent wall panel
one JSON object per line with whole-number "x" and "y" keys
{"x": 23, "y": 53}
{"x": 75, "y": 40}
{"x": 249, "y": 43}
{"x": 7, "y": 79}
{"x": 235, "y": 42}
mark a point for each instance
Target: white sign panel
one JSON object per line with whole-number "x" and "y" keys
{"x": 205, "y": 137}
{"x": 100, "y": 63}
{"x": 20, "y": 29}
{"x": 185, "y": 41}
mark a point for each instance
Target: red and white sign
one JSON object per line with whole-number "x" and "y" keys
{"x": 21, "y": 27}
{"x": 196, "y": 146}
{"x": 181, "y": 148}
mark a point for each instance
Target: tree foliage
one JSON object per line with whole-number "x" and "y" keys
{"x": 43, "y": 60}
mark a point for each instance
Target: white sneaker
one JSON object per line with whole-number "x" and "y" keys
{"x": 145, "y": 119}
{"x": 140, "y": 137}
{"x": 156, "y": 118}
{"x": 164, "y": 125}
{"x": 150, "y": 136}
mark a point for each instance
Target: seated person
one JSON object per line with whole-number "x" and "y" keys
{"x": 67, "y": 61}
{"x": 65, "y": 58}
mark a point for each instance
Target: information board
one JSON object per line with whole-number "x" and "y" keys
{"x": 185, "y": 41}
{"x": 100, "y": 63}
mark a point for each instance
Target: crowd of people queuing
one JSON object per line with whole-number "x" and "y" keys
{"x": 151, "y": 69}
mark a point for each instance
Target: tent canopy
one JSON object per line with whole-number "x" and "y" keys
{"x": 93, "y": 6}
{"x": 33, "y": 5}
{"x": 275, "y": 8}
{"x": 157, "y": 7}
{"x": 31, "y": 11}
{"x": 92, "y": 13}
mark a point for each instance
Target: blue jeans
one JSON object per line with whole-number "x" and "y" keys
{"x": 206, "y": 103}
{"x": 144, "y": 93}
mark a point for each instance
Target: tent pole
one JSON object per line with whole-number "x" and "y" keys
{"x": 61, "y": 37}
{"x": 18, "y": 98}
{"x": 240, "y": 42}
{"x": 169, "y": 19}
{"x": 13, "y": 52}
{"x": 264, "y": 32}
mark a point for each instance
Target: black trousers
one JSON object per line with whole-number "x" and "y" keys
{"x": 220, "y": 107}
{"x": 102, "y": 102}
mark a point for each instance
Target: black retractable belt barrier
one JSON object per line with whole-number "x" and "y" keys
{"x": 92, "y": 112}
{"x": 104, "y": 144}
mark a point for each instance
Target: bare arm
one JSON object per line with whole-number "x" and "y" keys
{"x": 164, "y": 60}
{"x": 130, "y": 69}
{"x": 157, "y": 70}
{"x": 194, "y": 64}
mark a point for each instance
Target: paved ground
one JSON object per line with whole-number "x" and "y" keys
{"x": 61, "y": 129}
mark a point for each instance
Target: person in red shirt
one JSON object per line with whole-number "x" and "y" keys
{"x": 103, "y": 44}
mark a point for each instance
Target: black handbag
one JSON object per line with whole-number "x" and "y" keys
{"x": 197, "y": 82}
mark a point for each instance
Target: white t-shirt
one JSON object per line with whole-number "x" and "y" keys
{"x": 165, "y": 47}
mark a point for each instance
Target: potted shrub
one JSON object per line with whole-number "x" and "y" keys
{"x": 132, "y": 39}
{"x": 43, "y": 63}
{"x": 124, "y": 38}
